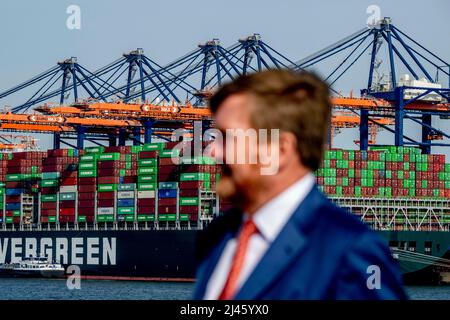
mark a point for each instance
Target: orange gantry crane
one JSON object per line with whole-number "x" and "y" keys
{"x": 100, "y": 117}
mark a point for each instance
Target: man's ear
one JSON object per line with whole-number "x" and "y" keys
{"x": 288, "y": 148}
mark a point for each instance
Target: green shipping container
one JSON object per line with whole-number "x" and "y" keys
{"x": 196, "y": 176}
{"x": 48, "y": 198}
{"x": 146, "y": 217}
{"x": 184, "y": 217}
{"x": 15, "y": 177}
{"x": 146, "y": 186}
{"x": 105, "y": 218}
{"x": 87, "y": 173}
{"x": 169, "y": 153}
{"x": 81, "y": 219}
{"x": 188, "y": 201}
{"x": 51, "y": 218}
{"x": 9, "y": 219}
{"x": 155, "y": 146}
{"x": 98, "y": 149}
{"x": 162, "y": 217}
{"x": 149, "y": 178}
{"x": 49, "y": 183}
{"x": 148, "y": 163}
{"x": 125, "y": 210}
{"x": 106, "y": 187}
{"x": 147, "y": 170}
{"x": 16, "y": 213}
{"x": 171, "y": 217}
{"x": 136, "y": 149}
{"x": 87, "y": 165}
{"x": 88, "y": 158}
{"x": 109, "y": 156}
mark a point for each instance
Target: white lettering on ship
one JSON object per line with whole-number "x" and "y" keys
{"x": 73, "y": 251}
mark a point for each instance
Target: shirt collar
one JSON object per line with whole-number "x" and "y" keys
{"x": 272, "y": 217}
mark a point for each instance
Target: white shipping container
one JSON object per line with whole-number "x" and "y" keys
{"x": 108, "y": 210}
{"x": 146, "y": 194}
{"x": 65, "y": 189}
{"x": 125, "y": 195}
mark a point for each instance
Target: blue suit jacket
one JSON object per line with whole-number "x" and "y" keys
{"x": 323, "y": 252}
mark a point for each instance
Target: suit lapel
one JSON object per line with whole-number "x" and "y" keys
{"x": 288, "y": 245}
{"x": 207, "y": 268}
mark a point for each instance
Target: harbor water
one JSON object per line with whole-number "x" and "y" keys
{"x": 57, "y": 289}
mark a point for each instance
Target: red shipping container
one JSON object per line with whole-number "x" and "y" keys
{"x": 53, "y": 168}
{"x": 9, "y": 213}
{"x": 105, "y": 202}
{"x": 48, "y": 212}
{"x": 87, "y": 188}
{"x": 110, "y": 164}
{"x": 44, "y": 219}
{"x": 191, "y": 184}
{"x": 67, "y": 211}
{"x": 165, "y": 161}
{"x": 163, "y": 177}
{"x": 86, "y": 203}
{"x": 69, "y": 181}
{"x": 10, "y": 199}
{"x": 193, "y": 217}
{"x": 168, "y": 169}
{"x": 148, "y": 154}
{"x": 167, "y": 201}
{"x": 18, "y": 170}
{"x": 48, "y": 205}
{"x": 130, "y": 179}
{"x": 69, "y": 174}
{"x": 87, "y": 181}
{"x": 49, "y": 161}
{"x": 146, "y": 202}
{"x": 167, "y": 209}
{"x": 87, "y": 195}
{"x": 86, "y": 211}
{"x": 67, "y": 204}
{"x": 188, "y": 209}
{"x": 120, "y": 149}
{"x": 105, "y": 195}
{"x": 108, "y": 172}
{"x": 108, "y": 180}
{"x": 146, "y": 210}
{"x": 57, "y": 153}
{"x": 66, "y": 219}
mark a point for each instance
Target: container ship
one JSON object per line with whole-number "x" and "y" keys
{"x": 132, "y": 212}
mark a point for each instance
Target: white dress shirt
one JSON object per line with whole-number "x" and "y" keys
{"x": 270, "y": 220}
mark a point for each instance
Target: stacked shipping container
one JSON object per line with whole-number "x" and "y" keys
{"x": 154, "y": 183}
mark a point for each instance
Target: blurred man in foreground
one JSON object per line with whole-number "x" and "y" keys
{"x": 284, "y": 240}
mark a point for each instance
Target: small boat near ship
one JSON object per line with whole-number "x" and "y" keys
{"x": 33, "y": 267}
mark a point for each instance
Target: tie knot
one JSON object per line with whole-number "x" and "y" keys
{"x": 249, "y": 228}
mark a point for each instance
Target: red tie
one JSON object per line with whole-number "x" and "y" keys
{"x": 247, "y": 231}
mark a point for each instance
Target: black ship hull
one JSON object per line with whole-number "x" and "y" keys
{"x": 108, "y": 254}
{"x": 167, "y": 255}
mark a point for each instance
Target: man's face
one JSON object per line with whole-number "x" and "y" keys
{"x": 239, "y": 178}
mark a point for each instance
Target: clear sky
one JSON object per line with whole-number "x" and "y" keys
{"x": 34, "y": 35}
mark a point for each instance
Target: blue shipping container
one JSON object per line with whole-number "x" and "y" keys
{"x": 13, "y": 192}
{"x": 125, "y": 202}
{"x": 167, "y": 193}
{"x": 13, "y": 206}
